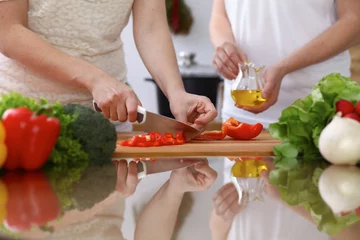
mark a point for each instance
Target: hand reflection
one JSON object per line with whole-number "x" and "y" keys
{"x": 225, "y": 202}
{"x": 271, "y": 190}
{"x": 127, "y": 177}
{"x": 195, "y": 178}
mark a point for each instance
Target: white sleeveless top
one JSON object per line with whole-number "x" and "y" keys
{"x": 269, "y": 30}
{"x": 87, "y": 29}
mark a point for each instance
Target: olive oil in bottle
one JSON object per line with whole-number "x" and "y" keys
{"x": 248, "y": 98}
{"x": 248, "y": 168}
{"x": 245, "y": 175}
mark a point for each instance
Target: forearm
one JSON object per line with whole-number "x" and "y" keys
{"x": 220, "y": 30}
{"x": 40, "y": 57}
{"x": 157, "y": 220}
{"x": 219, "y": 227}
{"x": 340, "y": 37}
{"x": 153, "y": 41}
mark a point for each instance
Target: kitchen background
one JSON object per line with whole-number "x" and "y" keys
{"x": 197, "y": 41}
{"x": 195, "y": 221}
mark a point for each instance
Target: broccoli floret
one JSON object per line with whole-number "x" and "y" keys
{"x": 95, "y": 132}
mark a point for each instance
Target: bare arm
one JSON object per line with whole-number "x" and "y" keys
{"x": 153, "y": 41}
{"x": 22, "y": 45}
{"x": 344, "y": 34}
{"x": 220, "y": 28}
{"x": 157, "y": 220}
{"x": 227, "y": 54}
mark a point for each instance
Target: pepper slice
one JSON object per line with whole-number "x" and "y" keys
{"x": 242, "y": 131}
{"x": 154, "y": 139}
{"x": 213, "y": 135}
{"x": 30, "y": 139}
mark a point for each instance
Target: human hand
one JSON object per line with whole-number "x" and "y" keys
{"x": 227, "y": 58}
{"x": 194, "y": 109}
{"x": 273, "y": 77}
{"x": 198, "y": 177}
{"x": 116, "y": 100}
{"x": 127, "y": 177}
{"x": 271, "y": 190}
{"x": 225, "y": 202}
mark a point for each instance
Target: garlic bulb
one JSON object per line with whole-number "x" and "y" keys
{"x": 338, "y": 187}
{"x": 339, "y": 142}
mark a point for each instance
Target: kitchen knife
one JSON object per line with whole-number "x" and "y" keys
{"x": 152, "y": 122}
{"x": 146, "y": 167}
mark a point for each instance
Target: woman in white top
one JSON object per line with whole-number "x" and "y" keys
{"x": 71, "y": 51}
{"x": 300, "y": 42}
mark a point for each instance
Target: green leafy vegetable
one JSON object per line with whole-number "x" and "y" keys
{"x": 299, "y": 129}
{"x": 68, "y": 149}
{"x": 95, "y": 132}
{"x": 300, "y": 125}
{"x": 297, "y": 181}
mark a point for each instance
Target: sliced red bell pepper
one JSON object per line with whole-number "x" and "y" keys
{"x": 30, "y": 138}
{"x": 154, "y": 139}
{"x": 242, "y": 131}
{"x": 32, "y": 201}
{"x": 213, "y": 135}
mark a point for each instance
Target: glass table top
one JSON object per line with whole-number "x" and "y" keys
{"x": 251, "y": 198}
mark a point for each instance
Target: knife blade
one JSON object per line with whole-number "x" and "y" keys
{"x": 152, "y": 122}
{"x": 146, "y": 167}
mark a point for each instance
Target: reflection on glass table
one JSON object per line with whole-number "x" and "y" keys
{"x": 89, "y": 202}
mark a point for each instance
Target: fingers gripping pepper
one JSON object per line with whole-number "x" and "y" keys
{"x": 30, "y": 138}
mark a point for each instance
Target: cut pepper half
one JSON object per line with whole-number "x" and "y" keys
{"x": 213, "y": 135}
{"x": 234, "y": 129}
{"x": 242, "y": 131}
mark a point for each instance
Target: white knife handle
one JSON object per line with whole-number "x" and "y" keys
{"x": 141, "y": 112}
{"x": 142, "y": 170}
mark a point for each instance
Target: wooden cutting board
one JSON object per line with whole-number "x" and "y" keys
{"x": 261, "y": 146}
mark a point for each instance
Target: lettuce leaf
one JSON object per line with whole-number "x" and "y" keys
{"x": 298, "y": 161}
{"x": 300, "y": 125}
{"x": 297, "y": 180}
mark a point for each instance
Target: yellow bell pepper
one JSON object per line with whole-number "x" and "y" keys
{"x": 3, "y": 148}
{"x": 3, "y": 201}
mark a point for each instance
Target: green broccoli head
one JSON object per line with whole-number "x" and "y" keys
{"x": 94, "y": 131}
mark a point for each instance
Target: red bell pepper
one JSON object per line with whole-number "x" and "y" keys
{"x": 154, "y": 139}
{"x": 32, "y": 201}
{"x": 242, "y": 131}
{"x": 29, "y": 139}
{"x": 234, "y": 129}
{"x": 213, "y": 135}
